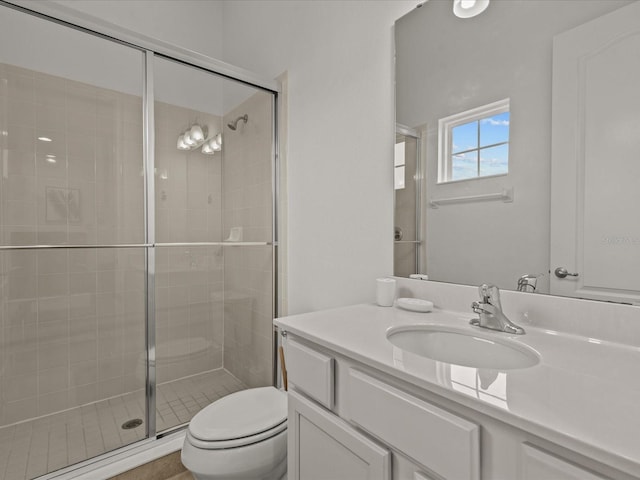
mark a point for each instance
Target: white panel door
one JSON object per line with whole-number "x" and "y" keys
{"x": 321, "y": 446}
{"x": 595, "y": 175}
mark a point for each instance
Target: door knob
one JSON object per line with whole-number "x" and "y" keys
{"x": 562, "y": 272}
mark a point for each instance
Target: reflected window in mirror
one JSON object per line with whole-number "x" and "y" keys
{"x": 474, "y": 143}
{"x": 398, "y": 163}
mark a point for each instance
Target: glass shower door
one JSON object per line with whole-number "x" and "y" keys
{"x": 72, "y": 255}
{"x": 213, "y": 239}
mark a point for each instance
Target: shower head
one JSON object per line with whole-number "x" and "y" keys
{"x": 234, "y": 125}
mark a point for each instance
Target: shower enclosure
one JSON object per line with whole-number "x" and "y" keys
{"x": 408, "y": 179}
{"x": 137, "y": 241}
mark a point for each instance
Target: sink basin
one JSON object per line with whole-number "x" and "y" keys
{"x": 463, "y": 346}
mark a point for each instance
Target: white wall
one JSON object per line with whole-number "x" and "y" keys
{"x": 338, "y": 56}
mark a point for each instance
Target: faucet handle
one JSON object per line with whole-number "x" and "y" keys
{"x": 486, "y": 291}
{"x": 475, "y": 306}
{"x": 490, "y": 294}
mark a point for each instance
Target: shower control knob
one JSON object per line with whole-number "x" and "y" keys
{"x": 562, "y": 272}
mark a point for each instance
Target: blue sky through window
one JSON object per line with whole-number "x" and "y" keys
{"x": 494, "y": 160}
{"x": 494, "y": 129}
{"x": 472, "y": 152}
{"x": 465, "y": 137}
{"x": 464, "y": 165}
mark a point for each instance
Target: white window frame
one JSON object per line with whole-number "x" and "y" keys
{"x": 446, "y": 126}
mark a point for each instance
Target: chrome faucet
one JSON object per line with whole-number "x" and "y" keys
{"x": 490, "y": 311}
{"x": 527, "y": 281}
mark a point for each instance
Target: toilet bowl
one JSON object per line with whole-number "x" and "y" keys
{"x": 242, "y": 436}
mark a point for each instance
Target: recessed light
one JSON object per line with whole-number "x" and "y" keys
{"x": 45, "y": 139}
{"x": 51, "y": 158}
{"x": 469, "y": 8}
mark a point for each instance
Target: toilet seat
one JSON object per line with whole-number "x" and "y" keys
{"x": 236, "y": 442}
{"x": 240, "y": 419}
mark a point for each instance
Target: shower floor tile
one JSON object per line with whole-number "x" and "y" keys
{"x": 33, "y": 448}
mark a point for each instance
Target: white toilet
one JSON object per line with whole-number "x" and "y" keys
{"x": 242, "y": 436}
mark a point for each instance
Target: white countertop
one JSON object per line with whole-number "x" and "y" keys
{"x": 584, "y": 394}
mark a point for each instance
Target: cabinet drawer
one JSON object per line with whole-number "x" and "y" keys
{"x": 310, "y": 372}
{"x": 444, "y": 443}
{"x": 538, "y": 464}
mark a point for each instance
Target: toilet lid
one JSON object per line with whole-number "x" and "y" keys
{"x": 240, "y": 414}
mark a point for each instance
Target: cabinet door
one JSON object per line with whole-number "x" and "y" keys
{"x": 539, "y": 465}
{"x": 324, "y": 447}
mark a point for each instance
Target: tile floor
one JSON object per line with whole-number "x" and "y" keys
{"x": 45, "y": 444}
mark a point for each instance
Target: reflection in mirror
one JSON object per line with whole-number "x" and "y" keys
{"x": 407, "y": 194}
{"x": 493, "y": 223}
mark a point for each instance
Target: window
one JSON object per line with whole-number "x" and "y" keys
{"x": 474, "y": 143}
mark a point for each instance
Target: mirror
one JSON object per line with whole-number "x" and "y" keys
{"x": 456, "y": 75}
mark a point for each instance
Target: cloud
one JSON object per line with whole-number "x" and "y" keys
{"x": 493, "y": 160}
{"x": 496, "y": 123}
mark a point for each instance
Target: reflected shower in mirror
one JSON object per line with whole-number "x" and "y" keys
{"x": 406, "y": 168}
{"x": 497, "y": 139}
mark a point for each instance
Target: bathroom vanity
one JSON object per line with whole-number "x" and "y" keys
{"x": 362, "y": 407}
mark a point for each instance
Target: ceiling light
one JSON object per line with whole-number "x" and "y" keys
{"x": 186, "y": 138}
{"x": 196, "y": 134}
{"x": 51, "y": 158}
{"x": 469, "y": 8}
{"x": 45, "y": 139}
{"x": 211, "y": 146}
{"x": 207, "y": 150}
{"x": 214, "y": 145}
{"x": 181, "y": 144}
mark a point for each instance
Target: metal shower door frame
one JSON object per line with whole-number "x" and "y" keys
{"x": 152, "y": 48}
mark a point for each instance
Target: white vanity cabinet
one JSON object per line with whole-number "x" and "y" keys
{"x": 387, "y": 435}
{"x": 348, "y": 421}
{"x": 321, "y": 445}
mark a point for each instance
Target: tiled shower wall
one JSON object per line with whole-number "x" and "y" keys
{"x": 82, "y": 187}
{"x": 73, "y": 340}
{"x": 248, "y": 304}
{"x": 189, "y": 280}
{"x": 72, "y": 319}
